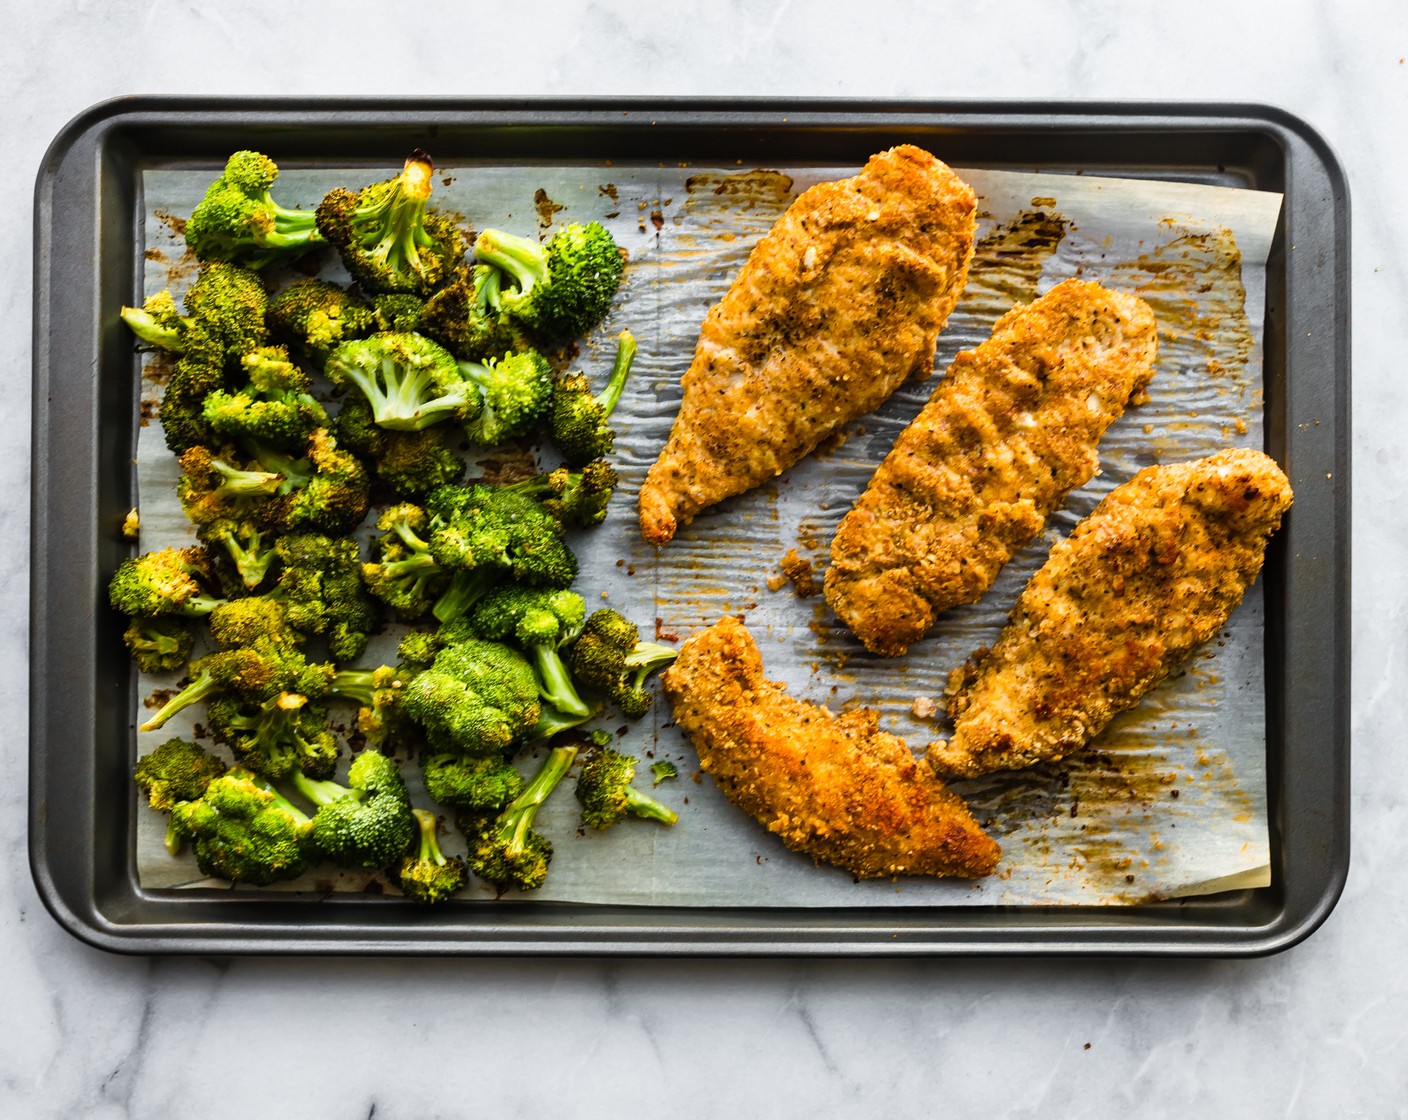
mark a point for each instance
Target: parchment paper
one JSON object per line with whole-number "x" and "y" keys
{"x": 1169, "y": 801}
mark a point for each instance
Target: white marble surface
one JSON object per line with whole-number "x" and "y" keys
{"x": 1320, "y": 1031}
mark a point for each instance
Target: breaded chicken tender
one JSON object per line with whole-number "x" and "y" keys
{"x": 836, "y": 307}
{"x": 1006, "y": 435}
{"x": 1151, "y": 574}
{"x": 834, "y": 787}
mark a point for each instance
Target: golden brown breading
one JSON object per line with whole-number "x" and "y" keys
{"x": 838, "y": 305}
{"x": 835, "y": 787}
{"x": 1152, "y": 573}
{"x": 1007, "y": 434}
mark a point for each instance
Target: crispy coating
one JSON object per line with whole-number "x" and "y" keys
{"x": 1007, "y": 434}
{"x": 835, "y": 787}
{"x": 1151, "y": 574}
{"x": 838, "y": 305}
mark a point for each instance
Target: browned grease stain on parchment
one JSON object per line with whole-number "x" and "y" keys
{"x": 547, "y": 209}
{"x": 1008, "y": 261}
{"x": 715, "y": 195}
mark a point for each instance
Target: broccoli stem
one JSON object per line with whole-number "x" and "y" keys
{"x": 353, "y": 684}
{"x": 524, "y": 260}
{"x": 466, "y": 589}
{"x": 620, "y": 370}
{"x": 429, "y": 842}
{"x": 241, "y": 483}
{"x": 553, "y": 721}
{"x": 555, "y": 681}
{"x": 319, "y": 792}
{"x": 516, "y": 821}
{"x": 643, "y": 805}
{"x": 646, "y": 657}
{"x": 145, "y": 327}
{"x": 173, "y": 841}
{"x": 204, "y": 685}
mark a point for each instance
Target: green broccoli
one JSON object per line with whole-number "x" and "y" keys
{"x": 165, "y": 581}
{"x": 577, "y": 421}
{"x": 404, "y": 575}
{"x": 176, "y": 771}
{"x": 577, "y": 499}
{"x": 368, "y": 822}
{"x": 460, "y": 781}
{"x": 247, "y": 546}
{"x": 243, "y": 831}
{"x": 477, "y": 697}
{"x": 610, "y": 658}
{"x": 378, "y": 693}
{"x": 276, "y": 409}
{"x": 553, "y": 722}
{"x": 157, "y": 322}
{"x": 317, "y": 316}
{"x": 282, "y": 735}
{"x": 239, "y": 220}
{"x": 466, "y": 319}
{"x": 221, "y": 485}
{"x": 388, "y": 240}
{"x": 411, "y": 463}
{"x": 515, "y": 391}
{"x": 159, "y": 645}
{"x": 504, "y": 850}
{"x": 539, "y": 621}
{"x": 663, "y": 770}
{"x": 321, "y": 585}
{"x": 485, "y": 535}
{"x": 409, "y": 381}
{"x": 226, "y": 310}
{"x": 398, "y": 311}
{"x": 563, "y": 287}
{"x": 428, "y": 875}
{"x": 606, "y": 794}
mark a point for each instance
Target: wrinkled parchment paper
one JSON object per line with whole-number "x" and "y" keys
{"x": 1170, "y": 801}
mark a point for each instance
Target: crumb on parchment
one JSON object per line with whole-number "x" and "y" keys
{"x": 798, "y": 569}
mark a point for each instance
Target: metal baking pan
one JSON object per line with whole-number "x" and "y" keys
{"x": 86, "y": 414}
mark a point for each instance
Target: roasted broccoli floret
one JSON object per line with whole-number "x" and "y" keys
{"x": 605, "y": 792}
{"x": 404, "y": 574}
{"x": 226, "y": 308}
{"x": 275, "y": 409}
{"x": 504, "y": 850}
{"x": 410, "y": 463}
{"x": 663, "y": 770}
{"x": 159, "y": 645}
{"x": 563, "y": 287}
{"x": 176, "y": 771}
{"x": 388, "y": 240}
{"x": 318, "y": 315}
{"x": 157, "y": 322}
{"x": 610, "y": 658}
{"x": 409, "y": 381}
{"x": 368, "y": 822}
{"x": 244, "y": 831}
{"x": 239, "y": 220}
{"x": 578, "y": 499}
{"x": 378, "y": 693}
{"x": 554, "y": 721}
{"x": 246, "y": 545}
{"x": 321, "y": 585}
{"x": 465, "y": 317}
{"x": 398, "y": 311}
{"x": 578, "y": 421}
{"x": 165, "y": 581}
{"x": 459, "y": 781}
{"x": 478, "y": 697}
{"x": 428, "y": 875}
{"x": 485, "y": 536}
{"x": 539, "y": 621}
{"x": 219, "y": 484}
{"x": 282, "y": 735}
{"x": 514, "y": 391}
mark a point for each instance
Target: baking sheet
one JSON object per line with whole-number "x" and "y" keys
{"x": 1172, "y": 799}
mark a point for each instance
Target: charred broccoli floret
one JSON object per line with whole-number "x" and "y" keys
{"x": 606, "y": 795}
{"x": 159, "y": 645}
{"x": 539, "y": 621}
{"x": 563, "y": 287}
{"x": 318, "y": 315}
{"x": 321, "y": 586}
{"x": 577, "y": 499}
{"x": 504, "y": 849}
{"x": 238, "y": 219}
{"x": 246, "y": 546}
{"x": 378, "y": 693}
{"x": 578, "y": 421}
{"x": 368, "y": 822}
{"x": 275, "y": 409}
{"x": 480, "y": 698}
{"x": 466, "y": 318}
{"x": 282, "y": 735}
{"x": 176, "y": 771}
{"x": 388, "y": 240}
{"x": 428, "y": 875}
{"x": 404, "y": 574}
{"x": 165, "y": 581}
{"x": 411, "y": 463}
{"x": 610, "y": 658}
{"x": 243, "y": 831}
